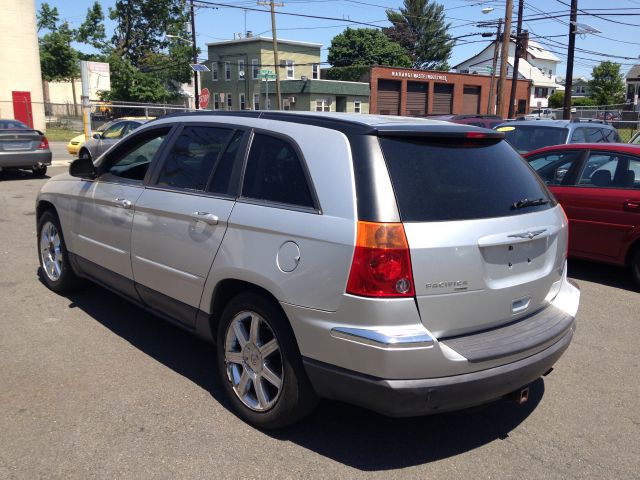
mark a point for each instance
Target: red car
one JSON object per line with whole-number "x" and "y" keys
{"x": 598, "y": 185}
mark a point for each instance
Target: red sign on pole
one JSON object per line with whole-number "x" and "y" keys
{"x": 204, "y": 98}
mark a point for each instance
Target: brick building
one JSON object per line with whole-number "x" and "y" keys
{"x": 403, "y": 91}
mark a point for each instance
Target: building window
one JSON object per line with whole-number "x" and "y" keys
{"x": 255, "y": 68}
{"x": 256, "y": 101}
{"x": 229, "y": 101}
{"x": 315, "y": 71}
{"x": 216, "y": 101}
{"x": 227, "y": 71}
{"x": 243, "y": 104}
{"x": 357, "y": 107}
{"x": 541, "y": 92}
{"x": 241, "y": 70}
{"x": 214, "y": 71}
{"x": 290, "y": 69}
{"x": 323, "y": 106}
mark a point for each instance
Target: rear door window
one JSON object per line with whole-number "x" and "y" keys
{"x": 599, "y": 170}
{"x": 274, "y": 173}
{"x": 436, "y": 181}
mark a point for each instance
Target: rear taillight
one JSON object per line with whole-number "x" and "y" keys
{"x": 381, "y": 262}
{"x": 44, "y": 144}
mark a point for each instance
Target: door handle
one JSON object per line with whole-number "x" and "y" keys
{"x": 631, "y": 206}
{"x": 122, "y": 202}
{"x": 206, "y": 217}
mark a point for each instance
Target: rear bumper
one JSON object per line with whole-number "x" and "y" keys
{"x": 403, "y": 398}
{"x": 25, "y": 159}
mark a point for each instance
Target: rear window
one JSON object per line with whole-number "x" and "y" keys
{"x": 525, "y": 138}
{"x": 443, "y": 182}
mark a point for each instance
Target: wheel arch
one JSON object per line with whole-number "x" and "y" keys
{"x": 43, "y": 206}
{"x": 633, "y": 248}
{"x": 226, "y": 290}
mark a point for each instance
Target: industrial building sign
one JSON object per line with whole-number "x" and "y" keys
{"x": 426, "y": 76}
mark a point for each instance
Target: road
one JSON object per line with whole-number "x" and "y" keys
{"x": 59, "y": 155}
{"x": 93, "y": 387}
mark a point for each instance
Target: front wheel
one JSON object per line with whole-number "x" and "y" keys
{"x": 56, "y": 271}
{"x": 259, "y": 363}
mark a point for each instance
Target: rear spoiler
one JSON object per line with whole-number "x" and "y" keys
{"x": 442, "y": 133}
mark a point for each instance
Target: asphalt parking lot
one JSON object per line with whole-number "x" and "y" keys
{"x": 93, "y": 387}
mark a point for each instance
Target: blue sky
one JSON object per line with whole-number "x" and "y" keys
{"x": 618, "y": 37}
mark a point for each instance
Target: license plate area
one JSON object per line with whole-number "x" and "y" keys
{"x": 513, "y": 260}
{"x": 17, "y": 145}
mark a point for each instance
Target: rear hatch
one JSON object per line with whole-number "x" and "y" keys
{"x": 19, "y": 140}
{"x": 487, "y": 240}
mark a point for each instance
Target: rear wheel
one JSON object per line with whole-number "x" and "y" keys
{"x": 259, "y": 363}
{"x": 56, "y": 271}
{"x": 39, "y": 171}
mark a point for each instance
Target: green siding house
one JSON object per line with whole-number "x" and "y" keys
{"x": 235, "y": 81}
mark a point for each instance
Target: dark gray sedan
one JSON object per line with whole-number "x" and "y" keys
{"x": 100, "y": 142}
{"x": 23, "y": 147}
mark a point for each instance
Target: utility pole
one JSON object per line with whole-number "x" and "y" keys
{"x": 491, "y": 106}
{"x": 568, "y": 83}
{"x": 506, "y": 39}
{"x": 516, "y": 60}
{"x": 273, "y": 6}
{"x": 196, "y": 91}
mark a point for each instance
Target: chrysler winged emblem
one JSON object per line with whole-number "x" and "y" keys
{"x": 529, "y": 235}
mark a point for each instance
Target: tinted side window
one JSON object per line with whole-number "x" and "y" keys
{"x": 115, "y": 131}
{"x": 579, "y": 136}
{"x": 193, "y": 157}
{"x": 132, "y": 158}
{"x": 594, "y": 135}
{"x": 553, "y": 167}
{"x": 223, "y": 174}
{"x": 274, "y": 173}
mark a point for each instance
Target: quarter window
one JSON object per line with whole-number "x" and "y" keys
{"x": 115, "y": 131}
{"x": 194, "y": 155}
{"x": 274, "y": 173}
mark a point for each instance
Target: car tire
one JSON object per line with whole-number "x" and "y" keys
{"x": 635, "y": 265}
{"x": 55, "y": 270}
{"x": 39, "y": 171}
{"x": 262, "y": 372}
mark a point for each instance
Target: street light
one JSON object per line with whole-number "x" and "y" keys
{"x": 179, "y": 38}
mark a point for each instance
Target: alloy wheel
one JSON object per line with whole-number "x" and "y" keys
{"x": 51, "y": 251}
{"x": 253, "y": 361}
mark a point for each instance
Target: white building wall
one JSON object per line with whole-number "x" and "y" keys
{"x": 20, "y": 58}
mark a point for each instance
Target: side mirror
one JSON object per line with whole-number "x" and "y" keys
{"x": 83, "y": 168}
{"x": 97, "y": 136}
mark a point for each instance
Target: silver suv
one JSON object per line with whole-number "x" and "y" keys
{"x": 408, "y": 266}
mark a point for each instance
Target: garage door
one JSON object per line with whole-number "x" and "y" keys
{"x": 417, "y": 93}
{"x": 388, "y": 97}
{"x": 442, "y": 98}
{"x": 471, "y": 100}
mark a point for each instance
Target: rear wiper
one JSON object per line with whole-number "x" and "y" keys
{"x": 525, "y": 202}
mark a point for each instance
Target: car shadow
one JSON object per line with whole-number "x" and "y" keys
{"x": 347, "y": 434}
{"x": 609, "y": 275}
{"x": 9, "y": 175}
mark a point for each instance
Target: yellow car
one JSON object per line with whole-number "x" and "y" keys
{"x": 73, "y": 147}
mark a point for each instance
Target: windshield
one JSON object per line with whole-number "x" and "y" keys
{"x": 525, "y": 138}
{"x": 436, "y": 181}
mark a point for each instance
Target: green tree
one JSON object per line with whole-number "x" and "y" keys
{"x": 92, "y": 30}
{"x": 556, "y": 100}
{"x": 607, "y": 84}
{"x": 145, "y": 64}
{"x": 47, "y": 17}
{"x": 353, "y": 51}
{"x": 420, "y": 28}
